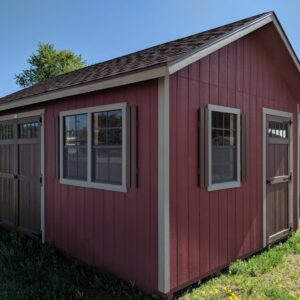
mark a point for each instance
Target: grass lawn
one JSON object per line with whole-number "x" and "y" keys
{"x": 29, "y": 270}
{"x": 273, "y": 274}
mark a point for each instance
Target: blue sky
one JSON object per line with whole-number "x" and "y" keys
{"x": 100, "y": 30}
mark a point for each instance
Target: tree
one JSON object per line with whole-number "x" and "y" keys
{"x": 48, "y": 62}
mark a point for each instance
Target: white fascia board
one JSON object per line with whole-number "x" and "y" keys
{"x": 220, "y": 43}
{"x": 97, "y": 86}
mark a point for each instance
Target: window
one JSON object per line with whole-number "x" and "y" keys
{"x": 278, "y": 130}
{"x": 6, "y": 132}
{"x": 28, "y": 130}
{"x": 75, "y": 146}
{"x": 224, "y": 145}
{"x": 93, "y": 147}
{"x": 107, "y": 146}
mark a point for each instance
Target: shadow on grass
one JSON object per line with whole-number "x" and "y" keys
{"x": 30, "y": 270}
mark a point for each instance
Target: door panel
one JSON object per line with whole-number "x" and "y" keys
{"x": 20, "y": 173}
{"x": 29, "y": 174}
{"x": 7, "y": 169}
{"x": 278, "y": 177}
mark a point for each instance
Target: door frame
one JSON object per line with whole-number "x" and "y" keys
{"x": 279, "y": 113}
{"x": 35, "y": 113}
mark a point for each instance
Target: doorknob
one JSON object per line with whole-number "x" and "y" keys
{"x": 16, "y": 176}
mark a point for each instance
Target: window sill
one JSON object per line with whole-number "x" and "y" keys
{"x": 95, "y": 185}
{"x": 223, "y": 186}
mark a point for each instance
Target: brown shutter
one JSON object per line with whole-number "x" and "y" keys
{"x": 56, "y": 147}
{"x": 131, "y": 143}
{"x": 244, "y": 148}
{"x": 203, "y": 147}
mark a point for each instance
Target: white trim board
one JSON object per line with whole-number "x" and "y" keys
{"x": 163, "y": 186}
{"x": 272, "y": 112}
{"x": 162, "y": 70}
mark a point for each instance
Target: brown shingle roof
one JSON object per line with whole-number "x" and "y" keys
{"x": 151, "y": 57}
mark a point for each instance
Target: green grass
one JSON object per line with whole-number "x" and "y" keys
{"x": 29, "y": 270}
{"x": 272, "y": 274}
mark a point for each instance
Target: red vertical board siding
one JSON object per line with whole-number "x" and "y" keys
{"x": 211, "y": 229}
{"x": 113, "y": 231}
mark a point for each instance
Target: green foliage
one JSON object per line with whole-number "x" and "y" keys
{"x": 47, "y": 63}
{"x": 272, "y": 274}
{"x": 30, "y": 270}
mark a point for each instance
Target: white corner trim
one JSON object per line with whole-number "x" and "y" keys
{"x": 237, "y": 182}
{"x": 298, "y": 163}
{"x": 279, "y": 113}
{"x": 90, "y": 87}
{"x": 89, "y": 183}
{"x": 219, "y": 43}
{"x": 42, "y": 114}
{"x": 163, "y": 186}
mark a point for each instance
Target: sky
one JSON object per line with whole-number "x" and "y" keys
{"x": 100, "y": 30}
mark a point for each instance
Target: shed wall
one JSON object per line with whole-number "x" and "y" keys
{"x": 114, "y": 231}
{"x": 208, "y": 230}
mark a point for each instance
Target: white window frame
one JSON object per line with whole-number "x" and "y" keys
{"x": 88, "y": 182}
{"x": 230, "y": 184}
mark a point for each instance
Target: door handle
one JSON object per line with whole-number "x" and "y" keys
{"x": 16, "y": 176}
{"x": 279, "y": 179}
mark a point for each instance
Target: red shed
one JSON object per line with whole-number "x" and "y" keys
{"x": 164, "y": 165}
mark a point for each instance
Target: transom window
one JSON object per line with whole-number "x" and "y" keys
{"x": 278, "y": 129}
{"x": 6, "y": 131}
{"x": 93, "y": 147}
{"x": 224, "y": 143}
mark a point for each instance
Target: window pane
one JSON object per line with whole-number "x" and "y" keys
{"x": 75, "y": 163}
{"x": 224, "y": 155}
{"x": 223, "y": 164}
{"x": 26, "y": 130}
{"x": 114, "y": 136}
{"x": 81, "y": 129}
{"x": 6, "y": 132}
{"x": 278, "y": 130}
{"x": 108, "y": 165}
{"x": 217, "y": 119}
{"x": 114, "y": 118}
{"x": 217, "y": 137}
{"x": 229, "y": 121}
{"x": 229, "y": 137}
{"x": 75, "y": 130}
{"x": 115, "y": 166}
{"x": 107, "y": 147}
{"x": 100, "y": 165}
{"x": 70, "y": 130}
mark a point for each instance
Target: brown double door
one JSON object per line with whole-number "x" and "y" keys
{"x": 278, "y": 177}
{"x": 20, "y": 175}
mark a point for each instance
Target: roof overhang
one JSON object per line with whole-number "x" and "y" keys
{"x": 162, "y": 70}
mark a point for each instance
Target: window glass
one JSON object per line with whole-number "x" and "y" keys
{"x": 6, "y": 131}
{"x": 278, "y": 130}
{"x": 107, "y": 147}
{"x": 28, "y": 130}
{"x": 75, "y": 147}
{"x": 224, "y": 149}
